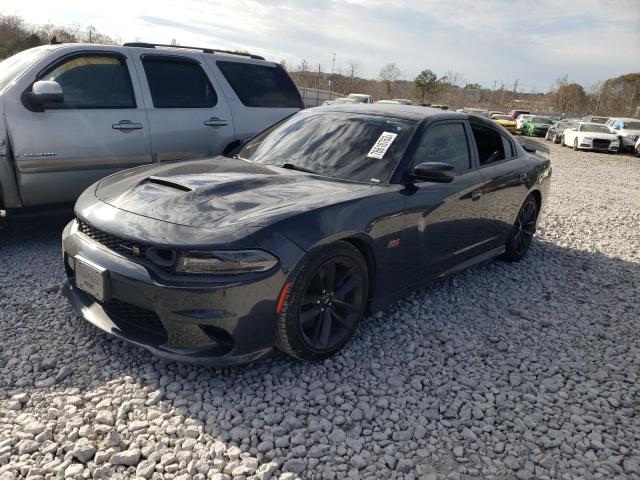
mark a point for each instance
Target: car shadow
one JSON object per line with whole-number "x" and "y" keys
{"x": 436, "y": 362}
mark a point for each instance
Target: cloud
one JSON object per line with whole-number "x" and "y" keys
{"x": 492, "y": 40}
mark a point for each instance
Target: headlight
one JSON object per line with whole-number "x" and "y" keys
{"x": 224, "y": 262}
{"x": 614, "y": 142}
{"x": 587, "y": 138}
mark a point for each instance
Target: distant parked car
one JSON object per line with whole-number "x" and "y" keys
{"x": 536, "y": 126}
{"x": 590, "y": 136}
{"x": 627, "y": 130}
{"x": 361, "y": 97}
{"x": 505, "y": 121}
{"x": 521, "y": 119}
{"x": 74, "y": 113}
{"x": 555, "y": 131}
{"x": 594, "y": 119}
{"x": 403, "y": 101}
{"x": 480, "y": 112}
{"x": 514, "y": 114}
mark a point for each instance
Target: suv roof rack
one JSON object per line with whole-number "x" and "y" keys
{"x": 203, "y": 50}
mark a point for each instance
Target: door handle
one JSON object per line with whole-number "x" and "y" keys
{"x": 476, "y": 195}
{"x": 216, "y": 122}
{"x": 523, "y": 177}
{"x": 126, "y": 125}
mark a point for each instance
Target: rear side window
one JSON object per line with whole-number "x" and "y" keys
{"x": 93, "y": 81}
{"x": 177, "y": 83}
{"x": 261, "y": 85}
{"x": 489, "y": 143}
{"x": 445, "y": 143}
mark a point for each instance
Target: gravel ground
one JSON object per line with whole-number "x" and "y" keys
{"x": 525, "y": 371}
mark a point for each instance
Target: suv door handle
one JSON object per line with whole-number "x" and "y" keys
{"x": 523, "y": 177}
{"x": 216, "y": 122}
{"x": 126, "y": 125}
{"x": 476, "y": 195}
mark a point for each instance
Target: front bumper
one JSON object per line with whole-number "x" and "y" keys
{"x": 217, "y": 324}
{"x": 588, "y": 145}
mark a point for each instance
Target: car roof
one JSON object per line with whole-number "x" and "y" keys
{"x": 408, "y": 112}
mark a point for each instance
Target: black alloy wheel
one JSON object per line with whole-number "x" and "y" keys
{"x": 325, "y": 304}
{"x": 522, "y": 232}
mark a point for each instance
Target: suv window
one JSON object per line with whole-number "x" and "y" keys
{"x": 178, "y": 83}
{"x": 93, "y": 81}
{"x": 489, "y": 143}
{"x": 261, "y": 85}
{"x": 446, "y": 143}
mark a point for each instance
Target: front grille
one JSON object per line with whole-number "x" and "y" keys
{"x": 601, "y": 143}
{"x": 135, "y": 320}
{"x": 124, "y": 247}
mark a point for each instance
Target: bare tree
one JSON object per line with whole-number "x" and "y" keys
{"x": 352, "y": 72}
{"x": 389, "y": 75}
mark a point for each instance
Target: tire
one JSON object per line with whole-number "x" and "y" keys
{"x": 638, "y": 151}
{"x": 556, "y": 138}
{"x": 521, "y": 235}
{"x": 322, "y": 310}
{"x": 575, "y": 144}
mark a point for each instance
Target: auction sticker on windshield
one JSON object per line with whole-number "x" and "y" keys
{"x": 382, "y": 145}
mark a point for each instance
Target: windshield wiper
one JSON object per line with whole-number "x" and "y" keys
{"x": 291, "y": 166}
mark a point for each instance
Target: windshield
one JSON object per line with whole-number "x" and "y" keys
{"x": 594, "y": 127}
{"x": 350, "y": 146}
{"x": 631, "y": 125}
{"x": 501, "y": 117}
{"x": 12, "y": 67}
{"x": 546, "y": 121}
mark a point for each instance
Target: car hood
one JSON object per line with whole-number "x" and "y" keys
{"x": 628, "y": 132}
{"x": 604, "y": 136}
{"x": 505, "y": 122}
{"x": 220, "y": 192}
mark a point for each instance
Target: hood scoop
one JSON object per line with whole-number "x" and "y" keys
{"x": 166, "y": 182}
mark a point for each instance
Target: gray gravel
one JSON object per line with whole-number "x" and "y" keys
{"x": 525, "y": 371}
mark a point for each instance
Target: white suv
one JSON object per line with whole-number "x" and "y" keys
{"x": 71, "y": 114}
{"x": 627, "y": 130}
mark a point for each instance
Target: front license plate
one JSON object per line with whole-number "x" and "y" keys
{"x": 90, "y": 278}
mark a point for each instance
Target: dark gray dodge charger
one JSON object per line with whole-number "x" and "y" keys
{"x": 325, "y": 217}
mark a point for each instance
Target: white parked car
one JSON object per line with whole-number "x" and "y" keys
{"x": 520, "y": 121}
{"x": 590, "y": 136}
{"x": 627, "y": 130}
{"x": 360, "y": 97}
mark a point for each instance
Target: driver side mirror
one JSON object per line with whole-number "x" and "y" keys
{"x": 438, "y": 172}
{"x": 44, "y": 92}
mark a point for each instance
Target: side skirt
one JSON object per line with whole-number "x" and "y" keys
{"x": 381, "y": 303}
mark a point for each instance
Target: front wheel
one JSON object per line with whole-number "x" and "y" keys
{"x": 522, "y": 232}
{"x": 575, "y": 144}
{"x": 324, "y": 304}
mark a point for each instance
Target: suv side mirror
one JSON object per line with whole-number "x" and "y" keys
{"x": 434, "y": 172}
{"x": 45, "y": 91}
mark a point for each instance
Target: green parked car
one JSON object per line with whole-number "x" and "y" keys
{"x": 536, "y": 126}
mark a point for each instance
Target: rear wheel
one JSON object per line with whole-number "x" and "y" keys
{"x": 324, "y": 304}
{"x": 522, "y": 232}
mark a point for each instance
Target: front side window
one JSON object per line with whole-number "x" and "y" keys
{"x": 260, "y": 85}
{"x": 93, "y": 81}
{"x": 631, "y": 125}
{"x": 350, "y": 146}
{"x": 177, "y": 83}
{"x": 446, "y": 143}
{"x": 489, "y": 144}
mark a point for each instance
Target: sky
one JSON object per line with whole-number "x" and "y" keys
{"x": 486, "y": 41}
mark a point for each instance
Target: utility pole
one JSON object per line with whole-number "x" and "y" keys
{"x": 318, "y": 87}
{"x": 333, "y": 64}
